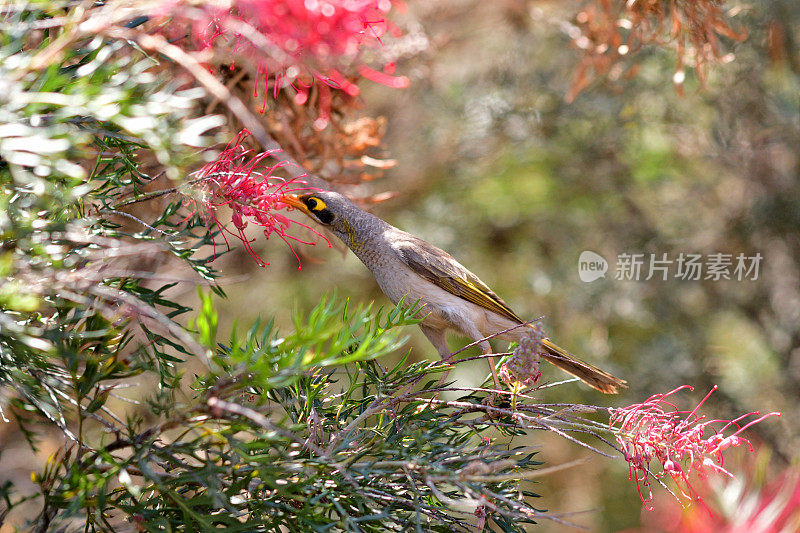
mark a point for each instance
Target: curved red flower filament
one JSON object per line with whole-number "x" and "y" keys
{"x": 246, "y": 184}
{"x": 683, "y": 442}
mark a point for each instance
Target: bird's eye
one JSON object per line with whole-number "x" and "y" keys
{"x": 315, "y": 204}
{"x": 319, "y": 209}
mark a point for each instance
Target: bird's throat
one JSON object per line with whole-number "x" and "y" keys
{"x": 353, "y": 241}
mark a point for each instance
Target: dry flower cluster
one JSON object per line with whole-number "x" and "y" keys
{"x": 523, "y": 365}
{"x": 610, "y": 31}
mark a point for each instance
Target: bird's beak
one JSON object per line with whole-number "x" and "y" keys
{"x": 294, "y": 201}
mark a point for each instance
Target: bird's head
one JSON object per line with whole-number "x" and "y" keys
{"x": 334, "y": 211}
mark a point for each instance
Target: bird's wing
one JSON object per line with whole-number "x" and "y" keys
{"x": 438, "y": 267}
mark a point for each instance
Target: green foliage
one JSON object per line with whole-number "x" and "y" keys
{"x": 160, "y": 426}
{"x": 305, "y": 431}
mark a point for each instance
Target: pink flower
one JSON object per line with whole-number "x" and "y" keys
{"x": 245, "y": 183}
{"x": 300, "y": 43}
{"x": 735, "y": 507}
{"x": 682, "y": 442}
{"x": 320, "y": 32}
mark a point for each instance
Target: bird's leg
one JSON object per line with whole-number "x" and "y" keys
{"x": 438, "y": 338}
{"x": 493, "y": 369}
{"x": 473, "y": 333}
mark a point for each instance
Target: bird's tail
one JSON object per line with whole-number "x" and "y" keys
{"x": 591, "y": 375}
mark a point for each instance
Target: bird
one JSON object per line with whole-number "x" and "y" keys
{"x": 454, "y": 299}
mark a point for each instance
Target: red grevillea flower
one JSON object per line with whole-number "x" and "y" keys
{"x": 245, "y": 183}
{"x": 682, "y": 441}
{"x": 299, "y": 43}
{"x": 736, "y": 507}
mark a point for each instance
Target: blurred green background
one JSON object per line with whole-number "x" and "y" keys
{"x": 495, "y": 167}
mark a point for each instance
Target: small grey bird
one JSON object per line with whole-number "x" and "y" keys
{"x": 454, "y": 298}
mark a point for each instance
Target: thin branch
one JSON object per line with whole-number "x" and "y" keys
{"x": 143, "y": 223}
{"x": 516, "y": 415}
{"x": 374, "y": 407}
{"x": 150, "y": 312}
{"x": 147, "y": 196}
{"x": 513, "y": 476}
{"x": 493, "y": 335}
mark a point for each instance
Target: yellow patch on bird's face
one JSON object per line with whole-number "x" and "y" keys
{"x": 315, "y": 204}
